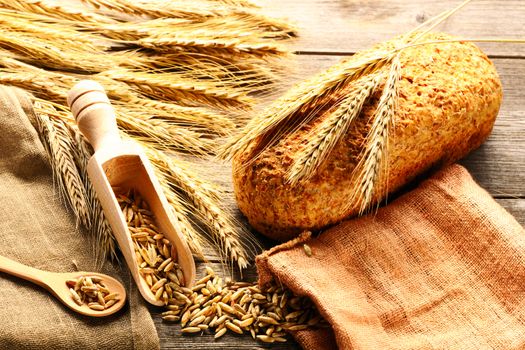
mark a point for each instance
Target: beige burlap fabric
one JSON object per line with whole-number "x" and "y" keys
{"x": 37, "y": 230}
{"x": 442, "y": 267}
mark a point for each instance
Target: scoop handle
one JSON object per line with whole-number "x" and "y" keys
{"x": 94, "y": 114}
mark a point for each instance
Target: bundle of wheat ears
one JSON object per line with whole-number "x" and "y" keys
{"x": 178, "y": 73}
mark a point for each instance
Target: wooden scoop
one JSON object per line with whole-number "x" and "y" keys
{"x": 56, "y": 283}
{"x": 123, "y": 164}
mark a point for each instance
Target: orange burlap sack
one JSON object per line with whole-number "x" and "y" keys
{"x": 442, "y": 267}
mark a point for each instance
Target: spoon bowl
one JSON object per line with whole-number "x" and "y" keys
{"x": 55, "y": 283}
{"x": 57, "y": 286}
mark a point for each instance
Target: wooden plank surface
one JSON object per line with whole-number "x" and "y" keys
{"x": 344, "y": 26}
{"x": 332, "y": 29}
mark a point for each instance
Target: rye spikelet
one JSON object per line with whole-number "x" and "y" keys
{"x": 324, "y": 136}
{"x": 373, "y": 162}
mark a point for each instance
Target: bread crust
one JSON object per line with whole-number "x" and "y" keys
{"x": 449, "y": 97}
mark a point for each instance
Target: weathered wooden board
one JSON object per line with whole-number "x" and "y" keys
{"x": 343, "y": 26}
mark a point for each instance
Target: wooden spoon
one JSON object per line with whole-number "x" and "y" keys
{"x": 123, "y": 164}
{"x": 56, "y": 283}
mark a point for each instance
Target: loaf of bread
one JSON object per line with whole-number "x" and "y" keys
{"x": 449, "y": 96}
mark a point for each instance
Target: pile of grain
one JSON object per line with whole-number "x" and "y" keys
{"x": 213, "y": 302}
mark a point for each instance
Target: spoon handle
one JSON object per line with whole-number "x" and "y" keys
{"x": 94, "y": 114}
{"x": 22, "y": 271}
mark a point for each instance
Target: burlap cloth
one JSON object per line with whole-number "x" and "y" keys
{"x": 37, "y": 230}
{"x": 442, "y": 267}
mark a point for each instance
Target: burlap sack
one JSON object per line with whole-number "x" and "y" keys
{"x": 37, "y": 230}
{"x": 442, "y": 267}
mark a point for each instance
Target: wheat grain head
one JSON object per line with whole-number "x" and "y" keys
{"x": 373, "y": 164}
{"x": 299, "y": 105}
{"x": 325, "y": 135}
{"x": 57, "y": 141}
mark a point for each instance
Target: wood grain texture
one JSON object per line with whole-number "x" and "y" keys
{"x": 344, "y": 26}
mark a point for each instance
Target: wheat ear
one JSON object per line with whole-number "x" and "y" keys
{"x": 181, "y": 212}
{"x": 51, "y": 9}
{"x": 151, "y": 9}
{"x": 61, "y": 54}
{"x": 288, "y": 111}
{"x": 104, "y": 245}
{"x": 57, "y": 142}
{"x": 104, "y": 242}
{"x": 207, "y": 119}
{"x": 170, "y": 86}
{"x": 325, "y": 135}
{"x": 162, "y": 133}
{"x": 37, "y": 28}
{"x": 223, "y": 231}
{"x": 374, "y": 162}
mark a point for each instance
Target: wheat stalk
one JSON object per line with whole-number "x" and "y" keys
{"x": 60, "y": 54}
{"x": 104, "y": 245}
{"x": 195, "y": 9}
{"x": 231, "y": 46}
{"x": 69, "y": 154}
{"x": 163, "y": 134}
{"x": 32, "y": 82}
{"x": 42, "y": 30}
{"x": 204, "y": 118}
{"x": 241, "y": 34}
{"x": 170, "y": 86}
{"x": 324, "y": 136}
{"x": 181, "y": 212}
{"x": 236, "y": 3}
{"x": 249, "y": 71}
{"x": 171, "y": 96}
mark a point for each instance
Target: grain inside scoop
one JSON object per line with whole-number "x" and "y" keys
{"x": 123, "y": 165}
